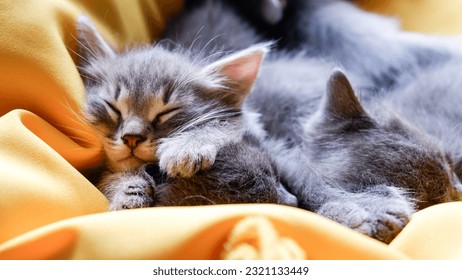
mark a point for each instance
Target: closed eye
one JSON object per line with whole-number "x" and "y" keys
{"x": 113, "y": 111}
{"x": 164, "y": 116}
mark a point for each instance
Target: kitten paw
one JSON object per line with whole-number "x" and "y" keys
{"x": 133, "y": 192}
{"x": 185, "y": 161}
{"x": 381, "y": 219}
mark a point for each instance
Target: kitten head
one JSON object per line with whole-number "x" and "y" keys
{"x": 136, "y": 98}
{"x": 357, "y": 148}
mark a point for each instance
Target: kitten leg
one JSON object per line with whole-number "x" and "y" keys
{"x": 380, "y": 212}
{"x": 285, "y": 197}
{"x": 184, "y": 154}
{"x": 127, "y": 190}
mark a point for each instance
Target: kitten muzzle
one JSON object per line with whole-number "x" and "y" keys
{"x": 133, "y": 140}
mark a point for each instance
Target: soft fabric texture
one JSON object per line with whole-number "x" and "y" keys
{"x": 48, "y": 210}
{"x": 428, "y": 16}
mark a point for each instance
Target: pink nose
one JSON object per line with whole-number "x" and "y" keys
{"x": 132, "y": 141}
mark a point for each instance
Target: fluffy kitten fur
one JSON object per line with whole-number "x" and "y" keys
{"x": 370, "y": 45}
{"x": 366, "y": 162}
{"x": 171, "y": 108}
{"x": 242, "y": 173}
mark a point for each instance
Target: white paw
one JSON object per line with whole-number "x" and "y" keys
{"x": 382, "y": 220}
{"x": 134, "y": 192}
{"x": 185, "y": 161}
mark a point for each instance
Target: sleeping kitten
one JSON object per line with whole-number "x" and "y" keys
{"x": 152, "y": 105}
{"x": 242, "y": 173}
{"x": 353, "y": 161}
{"x": 387, "y": 60}
{"x": 369, "y": 45}
{"x": 358, "y": 163}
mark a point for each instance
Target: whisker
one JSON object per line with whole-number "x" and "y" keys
{"x": 197, "y": 36}
{"x": 78, "y": 55}
{"x": 205, "y": 47}
{"x": 201, "y": 197}
{"x": 209, "y": 57}
{"x": 89, "y": 49}
{"x": 79, "y": 131}
{"x": 81, "y": 120}
{"x": 167, "y": 43}
{"x": 205, "y": 117}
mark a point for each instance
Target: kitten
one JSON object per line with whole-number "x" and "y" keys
{"x": 390, "y": 61}
{"x": 353, "y": 161}
{"x": 152, "y": 105}
{"x": 369, "y": 45}
{"x": 242, "y": 173}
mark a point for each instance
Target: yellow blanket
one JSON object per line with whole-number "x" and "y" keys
{"x": 48, "y": 210}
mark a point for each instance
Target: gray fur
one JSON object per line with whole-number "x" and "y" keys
{"x": 335, "y": 152}
{"x": 242, "y": 173}
{"x": 356, "y": 150}
{"x": 361, "y": 151}
{"x": 180, "y": 111}
{"x": 226, "y": 32}
{"x": 370, "y": 45}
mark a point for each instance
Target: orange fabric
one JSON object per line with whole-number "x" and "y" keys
{"x": 187, "y": 233}
{"x": 428, "y": 16}
{"x": 434, "y": 233}
{"x": 256, "y": 238}
{"x": 48, "y": 210}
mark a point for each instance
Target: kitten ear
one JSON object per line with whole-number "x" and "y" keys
{"x": 340, "y": 100}
{"x": 91, "y": 43}
{"x": 240, "y": 70}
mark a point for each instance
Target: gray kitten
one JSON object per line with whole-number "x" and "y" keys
{"x": 355, "y": 161}
{"x": 242, "y": 173}
{"x": 371, "y": 46}
{"x": 177, "y": 110}
{"x": 358, "y": 163}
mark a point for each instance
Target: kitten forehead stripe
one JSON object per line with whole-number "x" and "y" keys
{"x": 167, "y": 92}
{"x": 117, "y": 92}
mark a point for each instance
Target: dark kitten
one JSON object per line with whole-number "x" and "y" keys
{"x": 369, "y": 45}
{"x": 242, "y": 173}
{"x": 171, "y": 108}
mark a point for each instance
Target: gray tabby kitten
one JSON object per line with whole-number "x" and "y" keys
{"x": 152, "y": 105}
{"x": 354, "y": 161}
{"x": 358, "y": 163}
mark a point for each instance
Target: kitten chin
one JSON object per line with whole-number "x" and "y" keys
{"x": 131, "y": 163}
{"x": 123, "y": 159}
